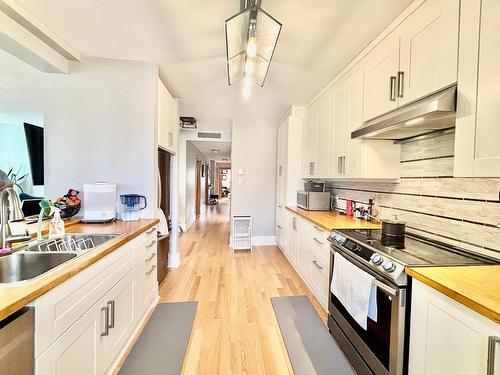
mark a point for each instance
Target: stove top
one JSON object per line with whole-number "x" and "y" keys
{"x": 366, "y": 246}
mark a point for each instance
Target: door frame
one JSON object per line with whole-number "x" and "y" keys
{"x": 198, "y": 187}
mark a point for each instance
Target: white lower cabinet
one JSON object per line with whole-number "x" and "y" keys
{"x": 449, "y": 338}
{"x": 308, "y": 251}
{"x": 84, "y": 325}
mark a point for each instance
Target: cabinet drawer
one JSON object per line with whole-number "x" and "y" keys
{"x": 318, "y": 277}
{"x": 151, "y": 234}
{"x": 320, "y": 243}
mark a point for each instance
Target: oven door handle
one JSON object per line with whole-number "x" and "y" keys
{"x": 386, "y": 288}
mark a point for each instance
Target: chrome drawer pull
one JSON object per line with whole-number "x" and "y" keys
{"x": 151, "y": 257}
{"x": 151, "y": 244}
{"x": 317, "y": 265}
{"x": 111, "y": 307}
{"x": 106, "y": 320}
{"x": 401, "y": 76}
{"x": 318, "y": 241}
{"x": 280, "y": 227}
{"x": 151, "y": 230}
{"x": 318, "y": 228}
{"x": 151, "y": 270}
{"x": 492, "y": 344}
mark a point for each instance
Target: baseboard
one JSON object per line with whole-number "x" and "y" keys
{"x": 188, "y": 223}
{"x": 264, "y": 240}
{"x": 120, "y": 360}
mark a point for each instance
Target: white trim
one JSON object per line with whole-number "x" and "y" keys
{"x": 174, "y": 259}
{"x": 264, "y": 241}
{"x": 189, "y": 223}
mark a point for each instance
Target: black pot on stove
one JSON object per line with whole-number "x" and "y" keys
{"x": 393, "y": 233}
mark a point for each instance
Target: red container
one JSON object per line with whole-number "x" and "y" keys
{"x": 348, "y": 208}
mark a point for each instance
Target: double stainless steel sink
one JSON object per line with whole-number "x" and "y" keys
{"x": 39, "y": 257}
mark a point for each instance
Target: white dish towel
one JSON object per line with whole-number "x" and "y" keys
{"x": 163, "y": 225}
{"x": 355, "y": 290}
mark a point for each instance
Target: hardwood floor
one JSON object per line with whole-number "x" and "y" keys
{"x": 235, "y": 330}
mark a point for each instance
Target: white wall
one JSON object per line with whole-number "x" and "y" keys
{"x": 100, "y": 126}
{"x": 254, "y": 193}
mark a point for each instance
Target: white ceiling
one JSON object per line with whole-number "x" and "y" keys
{"x": 186, "y": 38}
{"x": 209, "y": 149}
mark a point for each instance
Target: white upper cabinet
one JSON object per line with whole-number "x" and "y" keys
{"x": 477, "y": 153}
{"x": 324, "y": 137}
{"x": 429, "y": 49}
{"x": 167, "y": 119}
{"x": 317, "y": 138}
{"x": 309, "y": 141}
{"x": 340, "y": 138}
{"x": 381, "y": 67}
{"x": 418, "y": 58}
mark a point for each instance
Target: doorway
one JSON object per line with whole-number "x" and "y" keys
{"x": 198, "y": 187}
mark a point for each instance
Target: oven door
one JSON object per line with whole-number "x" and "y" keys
{"x": 380, "y": 348}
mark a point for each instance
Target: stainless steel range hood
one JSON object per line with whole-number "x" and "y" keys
{"x": 432, "y": 113}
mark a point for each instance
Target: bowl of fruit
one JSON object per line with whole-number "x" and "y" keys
{"x": 69, "y": 204}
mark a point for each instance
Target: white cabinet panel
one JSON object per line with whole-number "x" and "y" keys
{"x": 340, "y": 141}
{"x": 381, "y": 66}
{"x": 446, "y": 337}
{"x": 324, "y": 137}
{"x": 292, "y": 237}
{"x": 162, "y": 115}
{"x": 309, "y": 137}
{"x": 303, "y": 249}
{"x": 429, "y": 49}
{"x": 487, "y": 151}
{"x": 77, "y": 350}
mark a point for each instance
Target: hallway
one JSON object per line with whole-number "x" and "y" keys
{"x": 235, "y": 330}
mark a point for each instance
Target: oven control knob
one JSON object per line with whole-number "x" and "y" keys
{"x": 356, "y": 248}
{"x": 376, "y": 259}
{"x": 389, "y": 266}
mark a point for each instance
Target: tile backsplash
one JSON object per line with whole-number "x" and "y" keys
{"x": 459, "y": 211}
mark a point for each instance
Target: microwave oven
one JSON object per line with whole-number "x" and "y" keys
{"x": 313, "y": 200}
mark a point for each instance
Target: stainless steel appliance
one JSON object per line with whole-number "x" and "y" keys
{"x": 432, "y": 113}
{"x": 17, "y": 340}
{"x": 382, "y": 348}
{"x": 313, "y": 200}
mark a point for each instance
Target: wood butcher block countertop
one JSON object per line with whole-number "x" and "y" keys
{"x": 15, "y": 297}
{"x": 329, "y": 220}
{"x": 477, "y": 287}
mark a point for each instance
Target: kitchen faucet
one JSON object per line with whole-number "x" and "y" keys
{"x": 10, "y": 214}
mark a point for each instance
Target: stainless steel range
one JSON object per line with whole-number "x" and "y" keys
{"x": 383, "y": 347}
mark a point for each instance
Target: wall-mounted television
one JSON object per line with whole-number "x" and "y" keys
{"x": 34, "y": 141}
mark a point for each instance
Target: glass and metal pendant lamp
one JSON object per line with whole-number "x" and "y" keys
{"x": 251, "y": 37}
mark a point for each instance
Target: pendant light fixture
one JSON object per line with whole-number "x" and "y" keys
{"x": 251, "y": 37}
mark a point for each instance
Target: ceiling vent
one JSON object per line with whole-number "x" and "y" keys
{"x": 188, "y": 123}
{"x": 209, "y": 135}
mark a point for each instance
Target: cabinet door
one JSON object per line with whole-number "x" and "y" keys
{"x": 446, "y": 337}
{"x": 381, "y": 67}
{"x": 429, "y": 49}
{"x": 280, "y": 227}
{"x": 123, "y": 307}
{"x": 292, "y": 229}
{"x": 162, "y": 115}
{"x": 487, "y": 151}
{"x": 309, "y": 141}
{"x": 324, "y": 142}
{"x": 282, "y": 165}
{"x": 75, "y": 352}
{"x": 303, "y": 249}
{"x": 339, "y": 129}
{"x": 354, "y": 119}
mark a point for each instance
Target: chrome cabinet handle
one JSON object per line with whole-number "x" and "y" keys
{"x": 151, "y": 230}
{"x": 339, "y": 166}
{"x": 317, "y": 228}
{"x": 392, "y": 88}
{"x": 111, "y": 308}
{"x": 318, "y": 241}
{"x": 492, "y": 344}
{"x": 280, "y": 227}
{"x": 401, "y": 76}
{"x": 294, "y": 223}
{"x": 151, "y": 270}
{"x": 106, "y": 320}
{"x": 311, "y": 168}
{"x": 151, "y": 244}
{"x": 317, "y": 265}
{"x": 151, "y": 257}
